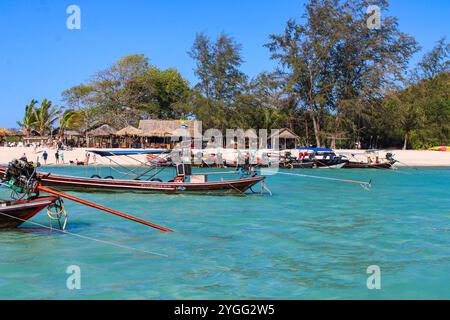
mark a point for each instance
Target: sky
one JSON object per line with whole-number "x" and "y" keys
{"x": 40, "y": 57}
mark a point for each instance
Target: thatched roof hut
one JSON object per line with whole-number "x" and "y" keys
{"x": 72, "y": 133}
{"x": 288, "y": 139}
{"x": 4, "y": 132}
{"x": 166, "y": 128}
{"x": 286, "y": 134}
{"x": 129, "y": 131}
{"x": 103, "y": 131}
{"x": 157, "y": 133}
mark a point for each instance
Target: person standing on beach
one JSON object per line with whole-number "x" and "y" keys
{"x": 24, "y": 158}
{"x": 88, "y": 157}
{"x": 61, "y": 155}
{"x": 45, "y": 156}
{"x": 57, "y": 157}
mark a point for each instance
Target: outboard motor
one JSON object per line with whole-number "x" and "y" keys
{"x": 21, "y": 176}
{"x": 390, "y": 158}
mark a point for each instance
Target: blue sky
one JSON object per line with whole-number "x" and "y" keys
{"x": 40, "y": 57}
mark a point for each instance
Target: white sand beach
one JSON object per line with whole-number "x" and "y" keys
{"x": 406, "y": 158}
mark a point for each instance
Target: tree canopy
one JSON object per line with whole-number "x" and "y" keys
{"x": 337, "y": 83}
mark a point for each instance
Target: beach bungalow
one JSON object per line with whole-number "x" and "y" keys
{"x": 287, "y": 139}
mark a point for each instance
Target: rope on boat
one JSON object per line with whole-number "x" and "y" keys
{"x": 57, "y": 212}
{"x": 407, "y": 165}
{"x": 118, "y": 245}
{"x": 363, "y": 184}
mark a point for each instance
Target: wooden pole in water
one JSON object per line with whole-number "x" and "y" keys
{"x": 96, "y": 206}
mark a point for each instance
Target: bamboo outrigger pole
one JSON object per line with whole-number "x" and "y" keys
{"x": 96, "y": 206}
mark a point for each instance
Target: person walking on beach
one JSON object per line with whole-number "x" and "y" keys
{"x": 57, "y": 157}
{"x": 45, "y": 156}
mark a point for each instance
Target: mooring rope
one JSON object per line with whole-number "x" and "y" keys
{"x": 85, "y": 237}
{"x": 363, "y": 184}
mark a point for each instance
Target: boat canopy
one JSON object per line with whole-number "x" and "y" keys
{"x": 315, "y": 149}
{"x": 126, "y": 152}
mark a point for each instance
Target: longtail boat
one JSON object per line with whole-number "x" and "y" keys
{"x": 148, "y": 181}
{"x": 61, "y": 182}
{"x": 13, "y": 213}
{"x": 313, "y": 158}
{"x": 365, "y": 165}
{"x": 22, "y": 179}
{"x": 380, "y": 164}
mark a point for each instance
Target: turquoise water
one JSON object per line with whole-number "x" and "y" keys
{"x": 311, "y": 240}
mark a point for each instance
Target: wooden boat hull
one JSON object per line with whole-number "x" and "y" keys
{"x": 297, "y": 165}
{"x": 362, "y": 165}
{"x": 314, "y": 165}
{"x": 14, "y": 213}
{"x": 61, "y": 182}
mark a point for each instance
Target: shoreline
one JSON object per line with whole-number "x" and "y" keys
{"x": 406, "y": 158}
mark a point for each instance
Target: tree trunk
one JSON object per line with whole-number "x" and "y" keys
{"x": 405, "y": 145}
{"x": 307, "y": 132}
{"x": 317, "y": 131}
{"x": 334, "y": 136}
{"x": 86, "y": 128}
{"x": 333, "y": 141}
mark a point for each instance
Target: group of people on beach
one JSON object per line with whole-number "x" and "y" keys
{"x": 60, "y": 159}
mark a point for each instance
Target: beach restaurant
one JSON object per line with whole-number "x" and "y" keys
{"x": 150, "y": 134}
{"x": 159, "y": 133}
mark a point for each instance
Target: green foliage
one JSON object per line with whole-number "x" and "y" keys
{"x": 337, "y": 83}
{"x": 29, "y": 118}
{"x": 69, "y": 119}
{"x": 435, "y": 62}
{"x": 129, "y": 90}
{"x": 217, "y": 67}
{"x": 336, "y": 66}
{"x": 163, "y": 94}
{"x": 45, "y": 116}
{"x": 422, "y": 112}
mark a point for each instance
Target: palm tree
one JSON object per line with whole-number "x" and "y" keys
{"x": 29, "y": 119}
{"x": 45, "y": 116}
{"x": 68, "y": 119}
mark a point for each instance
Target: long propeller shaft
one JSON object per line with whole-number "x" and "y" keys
{"x": 96, "y": 206}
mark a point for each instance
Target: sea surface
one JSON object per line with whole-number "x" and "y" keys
{"x": 311, "y": 239}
